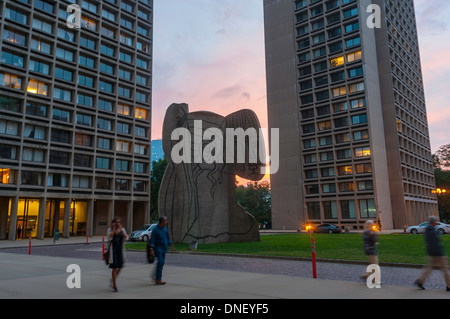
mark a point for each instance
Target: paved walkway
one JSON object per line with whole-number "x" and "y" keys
{"x": 23, "y": 276}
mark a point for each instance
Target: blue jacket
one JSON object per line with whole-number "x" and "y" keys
{"x": 433, "y": 242}
{"x": 160, "y": 240}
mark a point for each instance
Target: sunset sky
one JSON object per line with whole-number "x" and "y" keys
{"x": 210, "y": 54}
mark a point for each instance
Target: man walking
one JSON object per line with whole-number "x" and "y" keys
{"x": 370, "y": 240}
{"x": 159, "y": 244}
{"x": 435, "y": 250}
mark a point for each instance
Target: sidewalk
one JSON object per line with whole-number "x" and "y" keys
{"x": 23, "y": 276}
{"x": 48, "y": 242}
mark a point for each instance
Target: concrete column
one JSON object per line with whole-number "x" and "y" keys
{"x": 41, "y": 218}
{"x": 13, "y": 218}
{"x": 4, "y": 209}
{"x": 66, "y": 226}
{"x": 90, "y": 218}
{"x": 129, "y": 227}
{"x": 147, "y": 217}
{"x": 110, "y": 212}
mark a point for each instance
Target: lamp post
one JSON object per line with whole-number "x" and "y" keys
{"x": 440, "y": 192}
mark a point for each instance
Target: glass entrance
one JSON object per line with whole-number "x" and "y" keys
{"x": 27, "y": 218}
{"x": 54, "y": 217}
{"x": 78, "y": 218}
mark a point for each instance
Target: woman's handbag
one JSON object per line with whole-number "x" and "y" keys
{"x": 150, "y": 256}
{"x": 106, "y": 257}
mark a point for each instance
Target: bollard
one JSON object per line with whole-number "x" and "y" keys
{"x": 29, "y": 246}
{"x": 103, "y": 247}
{"x": 314, "y": 264}
{"x": 87, "y": 238}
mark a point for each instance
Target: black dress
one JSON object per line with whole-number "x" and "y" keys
{"x": 117, "y": 251}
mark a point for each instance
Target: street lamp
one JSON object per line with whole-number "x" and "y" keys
{"x": 439, "y": 191}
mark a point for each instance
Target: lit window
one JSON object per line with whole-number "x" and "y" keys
{"x": 362, "y": 152}
{"x": 355, "y": 56}
{"x": 37, "y": 87}
{"x": 337, "y": 61}
{"x": 141, "y": 113}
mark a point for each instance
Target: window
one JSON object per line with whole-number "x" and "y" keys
{"x": 59, "y": 158}
{"x": 140, "y": 149}
{"x": 323, "y": 110}
{"x": 12, "y": 59}
{"x": 323, "y": 126}
{"x": 362, "y": 152}
{"x": 107, "y": 50}
{"x": 82, "y": 139}
{"x": 126, "y": 39}
{"x": 126, "y": 23}
{"x": 346, "y": 187}
{"x": 124, "y": 92}
{"x": 106, "y": 68}
{"x": 141, "y": 80}
{"x": 57, "y": 180}
{"x": 104, "y": 105}
{"x": 108, "y": 15}
{"x": 14, "y": 37}
{"x": 105, "y": 86}
{"x": 85, "y": 100}
{"x": 341, "y": 122}
{"x": 123, "y": 109}
{"x": 63, "y": 74}
{"x": 348, "y": 209}
{"x": 34, "y": 132}
{"x": 334, "y": 33}
{"x": 88, "y": 24}
{"x": 308, "y": 128}
{"x": 342, "y": 138}
{"x": 311, "y": 143}
{"x": 37, "y": 87}
{"x": 92, "y": 7}
{"x": 329, "y": 188}
{"x": 7, "y": 176}
{"x": 140, "y": 113}
{"x": 60, "y": 136}
{"x": 330, "y": 210}
{"x": 122, "y": 185}
{"x": 312, "y": 189}
{"x": 319, "y": 67}
{"x": 8, "y": 152}
{"x": 318, "y": 38}
{"x": 36, "y": 110}
{"x": 42, "y": 25}
{"x": 124, "y": 74}
{"x": 337, "y": 62}
{"x": 338, "y": 76}
{"x": 344, "y": 154}
{"x": 83, "y": 119}
{"x": 311, "y": 173}
{"x": 353, "y": 42}
{"x": 104, "y": 124}
{"x": 64, "y": 54}
{"x": 85, "y": 80}
{"x": 355, "y": 72}
{"x": 31, "y": 178}
{"x": 16, "y": 16}
{"x": 363, "y": 168}
{"x": 102, "y": 183}
{"x": 140, "y": 168}
{"x": 141, "y": 63}
{"x": 87, "y": 43}
{"x": 359, "y": 103}
{"x": 62, "y": 94}
{"x": 335, "y": 47}
{"x": 143, "y": 15}
{"x": 41, "y": 46}
{"x": 350, "y": 13}
{"x": 107, "y": 32}
{"x": 326, "y": 156}
{"x": 102, "y": 163}
{"x": 364, "y": 186}
{"x": 340, "y": 107}
{"x": 357, "y": 87}
{"x": 359, "y": 119}
{"x": 313, "y": 210}
{"x": 10, "y": 81}
{"x": 104, "y": 143}
{"x": 123, "y": 128}
{"x": 345, "y": 170}
{"x": 122, "y": 146}
{"x": 9, "y": 128}
{"x": 355, "y": 56}
{"x": 127, "y": 6}
{"x": 328, "y": 172}
{"x": 80, "y": 182}
{"x": 66, "y": 35}
{"x": 339, "y": 91}
{"x": 39, "y": 66}
{"x": 142, "y": 97}
{"x": 60, "y": 115}
{"x": 125, "y": 57}
{"x": 9, "y": 104}
{"x": 143, "y": 47}
{"x": 44, "y": 6}
{"x": 122, "y": 166}
{"x": 367, "y": 208}
{"x": 352, "y": 27}
{"x": 142, "y": 30}
{"x": 139, "y": 186}
{"x": 310, "y": 158}
{"x": 361, "y": 135}
{"x": 86, "y": 61}
{"x": 80, "y": 160}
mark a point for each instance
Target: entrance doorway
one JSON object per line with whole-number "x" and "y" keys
{"x": 54, "y": 217}
{"x": 27, "y": 218}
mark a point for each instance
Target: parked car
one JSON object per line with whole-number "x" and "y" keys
{"x": 326, "y": 228}
{"x": 420, "y": 229}
{"x": 143, "y": 233}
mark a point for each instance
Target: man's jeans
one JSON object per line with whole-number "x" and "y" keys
{"x": 160, "y": 265}
{"x": 436, "y": 263}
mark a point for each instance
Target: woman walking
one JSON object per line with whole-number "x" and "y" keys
{"x": 117, "y": 235}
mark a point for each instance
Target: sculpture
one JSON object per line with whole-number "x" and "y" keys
{"x": 198, "y": 197}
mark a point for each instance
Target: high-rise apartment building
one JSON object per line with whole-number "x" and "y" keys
{"x": 348, "y": 98}
{"x": 75, "y": 108}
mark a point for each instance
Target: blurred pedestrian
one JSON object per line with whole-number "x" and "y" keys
{"x": 117, "y": 235}
{"x": 370, "y": 240}
{"x": 437, "y": 256}
{"x": 159, "y": 245}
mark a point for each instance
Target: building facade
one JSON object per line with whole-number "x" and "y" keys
{"x": 75, "y": 108}
{"x": 348, "y": 98}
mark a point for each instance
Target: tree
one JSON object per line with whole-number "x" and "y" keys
{"x": 441, "y": 163}
{"x": 158, "y": 170}
{"x": 256, "y": 200}
{"x": 442, "y": 157}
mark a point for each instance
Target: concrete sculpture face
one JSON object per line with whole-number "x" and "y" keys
{"x": 199, "y": 197}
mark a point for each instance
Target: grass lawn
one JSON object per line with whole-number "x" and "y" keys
{"x": 398, "y": 248}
